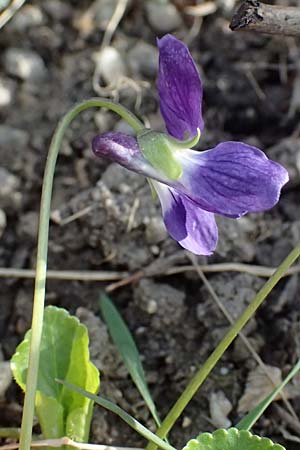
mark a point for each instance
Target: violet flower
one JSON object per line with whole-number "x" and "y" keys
{"x": 231, "y": 179}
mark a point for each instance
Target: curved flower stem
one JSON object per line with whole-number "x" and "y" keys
{"x": 210, "y": 363}
{"x": 42, "y": 250}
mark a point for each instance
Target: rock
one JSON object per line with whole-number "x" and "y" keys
{"x": 287, "y": 153}
{"x": 25, "y": 64}
{"x": 237, "y": 238}
{"x": 235, "y": 292}
{"x": 155, "y": 230}
{"x": 103, "y": 11}
{"x": 123, "y": 127}
{"x": 219, "y": 407}
{"x": 9, "y": 188}
{"x": 58, "y": 10}
{"x": 28, "y": 17}
{"x": 162, "y": 16}
{"x": 13, "y": 138}
{"x": 143, "y": 59}
{"x": 5, "y": 377}
{"x": 164, "y": 302}
{"x": 2, "y": 222}
{"x": 7, "y": 90}
{"x": 28, "y": 225}
{"x": 103, "y": 353}
{"x": 110, "y": 65}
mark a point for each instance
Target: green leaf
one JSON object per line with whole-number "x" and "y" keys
{"x": 231, "y": 439}
{"x": 65, "y": 355}
{"x": 124, "y": 342}
{"x": 249, "y": 420}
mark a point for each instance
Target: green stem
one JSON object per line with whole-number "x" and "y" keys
{"x": 210, "y": 363}
{"x": 42, "y": 250}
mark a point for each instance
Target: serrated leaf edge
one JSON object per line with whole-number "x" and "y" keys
{"x": 268, "y": 444}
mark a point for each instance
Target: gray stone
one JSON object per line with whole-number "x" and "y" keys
{"x": 163, "y": 302}
{"x": 28, "y": 17}
{"x": 9, "y": 184}
{"x": 13, "y": 138}
{"x": 58, "y": 10}
{"x": 155, "y": 230}
{"x": 287, "y": 153}
{"x": 28, "y": 225}
{"x": 5, "y": 377}
{"x": 2, "y": 222}
{"x": 162, "y": 16}
{"x": 143, "y": 59}
{"x": 24, "y": 64}
{"x": 6, "y": 92}
{"x": 103, "y": 11}
{"x": 110, "y": 65}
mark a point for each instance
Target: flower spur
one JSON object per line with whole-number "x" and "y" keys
{"x": 231, "y": 179}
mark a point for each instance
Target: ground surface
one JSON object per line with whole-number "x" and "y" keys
{"x": 49, "y": 54}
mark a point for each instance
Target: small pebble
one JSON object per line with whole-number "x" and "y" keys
{"x": 2, "y": 222}
{"x": 110, "y": 65}
{"x": 28, "y": 17}
{"x": 219, "y": 407}
{"x": 24, "y": 64}
{"x": 143, "y": 59}
{"x": 5, "y": 377}
{"x": 6, "y": 93}
{"x": 13, "y": 138}
{"x": 9, "y": 183}
{"x": 58, "y": 10}
{"x": 156, "y": 231}
{"x": 28, "y": 225}
{"x": 103, "y": 11}
{"x": 162, "y": 16}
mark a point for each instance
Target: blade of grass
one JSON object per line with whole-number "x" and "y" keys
{"x": 249, "y": 420}
{"x": 124, "y": 342}
{"x": 131, "y": 421}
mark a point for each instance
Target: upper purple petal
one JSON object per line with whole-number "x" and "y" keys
{"x": 232, "y": 179}
{"x": 193, "y": 228}
{"x": 179, "y": 88}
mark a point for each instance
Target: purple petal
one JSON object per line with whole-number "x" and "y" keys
{"x": 232, "y": 179}
{"x": 124, "y": 150}
{"x": 193, "y": 228}
{"x": 116, "y": 147}
{"x": 179, "y": 88}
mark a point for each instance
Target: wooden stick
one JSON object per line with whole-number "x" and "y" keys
{"x": 253, "y": 15}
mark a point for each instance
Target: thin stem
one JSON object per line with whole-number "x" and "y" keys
{"x": 42, "y": 250}
{"x": 210, "y": 363}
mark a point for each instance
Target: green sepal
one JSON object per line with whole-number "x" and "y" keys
{"x": 231, "y": 439}
{"x": 158, "y": 149}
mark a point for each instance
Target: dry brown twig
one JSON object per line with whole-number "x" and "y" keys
{"x": 160, "y": 267}
{"x": 66, "y": 441}
{"x": 9, "y": 12}
{"x": 253, "y": 15}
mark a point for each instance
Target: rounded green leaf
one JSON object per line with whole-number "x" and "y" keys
{"x": 64, "y": 355}
{"x": 231, "y": 439}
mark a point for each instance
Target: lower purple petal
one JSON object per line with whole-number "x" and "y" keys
{"x": 193, "y": 228}
{"x": 232, "y": 179}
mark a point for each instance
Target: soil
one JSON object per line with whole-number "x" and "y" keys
{"x": 49, "y": 54}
